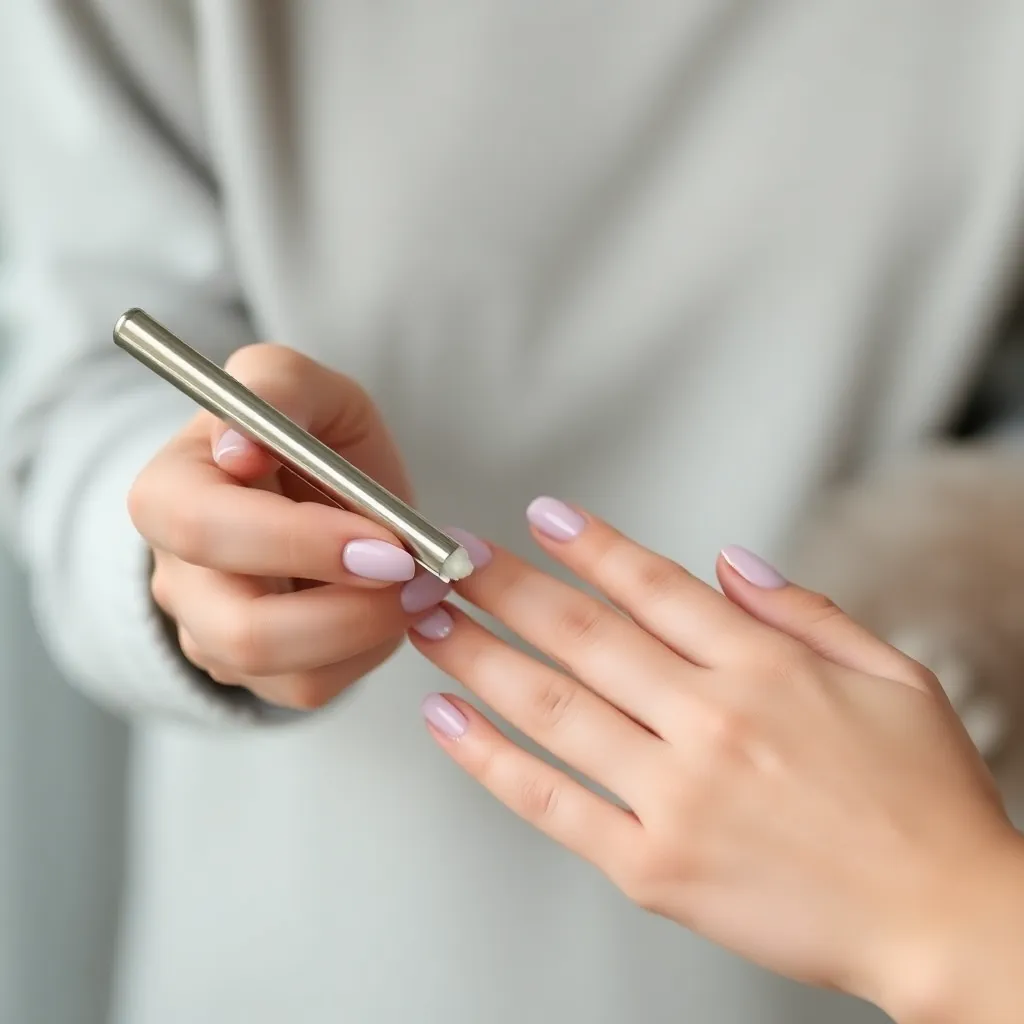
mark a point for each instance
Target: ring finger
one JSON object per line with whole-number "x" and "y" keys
{"x": 547, "y": 798}
{"x": 560, "y": 714}
{"x": 236, "y": 621}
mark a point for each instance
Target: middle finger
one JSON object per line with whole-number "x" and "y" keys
{"x": 596, "y": 643}
{"x": 235, "y": 621}
{"x": 566, "y": 718}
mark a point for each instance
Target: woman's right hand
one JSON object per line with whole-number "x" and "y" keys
{"x": 270, "y": 587}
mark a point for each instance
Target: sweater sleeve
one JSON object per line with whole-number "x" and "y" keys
{"x": 102, "y": 206}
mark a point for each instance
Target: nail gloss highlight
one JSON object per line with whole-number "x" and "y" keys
{"x": 230, "y": 444}
{"x": 436, "y": 626}
{"x": 753, "y": 568}
{"x": 444, "y": 716}
{"x": 555, "y": 519}
{"x": 378, "y": 560}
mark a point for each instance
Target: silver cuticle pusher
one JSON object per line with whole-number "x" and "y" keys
{"x": 217, "y": 391}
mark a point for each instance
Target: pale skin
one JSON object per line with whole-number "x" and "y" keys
{"x": 259, "y": 579}
{"x": 797, "y": 790}
{"x": 791, "y": 787}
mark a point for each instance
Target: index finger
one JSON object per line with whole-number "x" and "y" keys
{"x": 188, "y": 507}
{"x": 685, "y": 613}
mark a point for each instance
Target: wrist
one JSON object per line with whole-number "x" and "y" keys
{"x": 964, "y": 963}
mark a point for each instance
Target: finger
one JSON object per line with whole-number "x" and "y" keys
{"x": 560, "y": 714}
{"x": 235, "y": 621}
{"x": 593, "y": 641}
{"x": 657, "y": 593}
{"x": 309, "y": 691}
{"x": 330, "y": 405}
{"x": 190, "y": 509}
{"x": 238, "y": 455}
{"x": 545, "y": 797}
{"x": 192, "y": 651}
{"x": 759, "y": 589}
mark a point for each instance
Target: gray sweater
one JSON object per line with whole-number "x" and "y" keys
{"x": 711, "y": 252}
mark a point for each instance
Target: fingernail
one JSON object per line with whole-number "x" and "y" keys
{"x": 422, "y": 593}
{"x": 378, "y": 560}
{"x": 479, "y": 553}
{"x": 230, "y": 444}
{"x": 753, "y": 568}
{"x": 444, "y": 716}
{"x": 555, "y": 519}
{"x": 436, "y": 626}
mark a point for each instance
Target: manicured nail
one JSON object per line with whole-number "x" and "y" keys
{"x": 422, "y": 593}
{"x": 753, "y": 568}
{"x": 230, "y": 444}
{"x": 436, "y": 626}
{"x": 479, "y": 553}
{"x": 378, "y": 560}
{"x": 555, "y": 519}
{"x": 444, "y": 716}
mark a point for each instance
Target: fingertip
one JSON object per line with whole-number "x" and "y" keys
{"x": 435, "y": 625}
{"x": 379, "y": 562}
{"x": 751, "y": 568}
{"x": 443, "y": 716}
{"x": 238, "y": 455}
{"x": 554, "y": 519}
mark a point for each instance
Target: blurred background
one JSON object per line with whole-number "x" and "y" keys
{"x": 62, "y": 776}
{"x": 62, "y": 764}
{"x": 63, "y": 773}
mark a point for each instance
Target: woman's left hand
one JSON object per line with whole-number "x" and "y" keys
{"x": 794, "y": 789}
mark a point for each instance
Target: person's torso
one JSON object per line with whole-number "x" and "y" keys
{"x": 704, "y": 254}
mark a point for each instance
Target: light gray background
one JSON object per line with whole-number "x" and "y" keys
{"x": 60, "y": 813}
{"x": 62, "y": 764}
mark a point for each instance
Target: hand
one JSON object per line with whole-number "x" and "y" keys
{"x": 270, "y": 587}
{"x": 925, "y": 553}
{"x": 795, "y": 789}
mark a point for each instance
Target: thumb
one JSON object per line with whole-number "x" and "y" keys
{"x": 330, "y": 405}
{"x": 813, "y": 619}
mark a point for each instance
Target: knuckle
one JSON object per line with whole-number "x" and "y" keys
{"x": 729, "y": 733}
{"x": 581, "y": 624}
{"x": 553, "y": 702}
{"x": 138, "y": 501}
{"x": 160, "y": 591}
{"x": 921, "y": 678}
{"x": 306, "y": 693}
{"x": 538, "y": 799}
{"x": 240, "y": 644}
{"x": 190, "y": 648}
{"x": 643, "y": 876}
{"x": 221, "y": 675}
{"x": 656, "y": 578}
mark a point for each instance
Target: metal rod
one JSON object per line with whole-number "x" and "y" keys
{"x": 217, "y": 391}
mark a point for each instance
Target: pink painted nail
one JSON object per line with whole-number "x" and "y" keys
{"x": 555, "y": 519}
{"x": 436, "y": 626}
{"x": 479, "y": 553}
{"x": 753, "y": 568}
{"x": 378, "y": 560}
{"x": 423, "y": 592}
{"x": 444, "y": 716}
{"x": 230, "y": 445}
